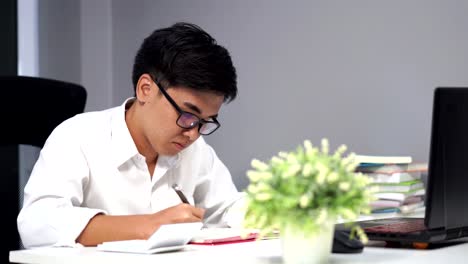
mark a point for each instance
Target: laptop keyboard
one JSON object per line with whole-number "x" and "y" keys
{"x": 401, "y": 227}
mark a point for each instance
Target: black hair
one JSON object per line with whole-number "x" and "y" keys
{"x": 185, "y": 55}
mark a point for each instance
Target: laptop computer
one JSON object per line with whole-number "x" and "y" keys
{"x": 446, "y": 212}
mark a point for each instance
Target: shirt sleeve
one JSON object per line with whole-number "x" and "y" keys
{"x": 216, "y": 192}
{"x": 51, "y": 214}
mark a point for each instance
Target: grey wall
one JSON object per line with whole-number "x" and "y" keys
{"x": 358, "y": 72}
{"x": 59, "y": 40}
{"x": 96, "y": 53}
{"x": 75, "y": 44}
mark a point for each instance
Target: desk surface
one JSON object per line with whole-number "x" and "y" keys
{"x": 265, "y": 251}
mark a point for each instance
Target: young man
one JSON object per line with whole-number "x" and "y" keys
{"x": 109, "y": 175}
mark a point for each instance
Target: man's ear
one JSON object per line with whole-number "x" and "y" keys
{"x": 143, "y": 88}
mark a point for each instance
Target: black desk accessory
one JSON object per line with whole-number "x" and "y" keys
{"x": 343, "y": 244}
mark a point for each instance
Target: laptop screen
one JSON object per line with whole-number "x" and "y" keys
{"x": 447, "y": 193}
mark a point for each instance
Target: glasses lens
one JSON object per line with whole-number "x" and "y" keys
{"x": 208, "y": 128}
{"x": 188, "y": 120}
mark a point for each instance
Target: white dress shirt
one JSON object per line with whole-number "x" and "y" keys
{"x": 90, "y": 165}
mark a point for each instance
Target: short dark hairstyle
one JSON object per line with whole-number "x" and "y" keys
{"x": 185, "y": 55}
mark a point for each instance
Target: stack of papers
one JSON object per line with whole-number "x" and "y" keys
{"x": 167, "y": 238}
{"x": 400, "y": 188}
{"x": 372, "y": 160}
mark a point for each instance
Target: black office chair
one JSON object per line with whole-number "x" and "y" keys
{"x": 31, "y": 108}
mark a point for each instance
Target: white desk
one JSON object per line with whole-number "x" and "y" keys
{"x": 265, "y": 251}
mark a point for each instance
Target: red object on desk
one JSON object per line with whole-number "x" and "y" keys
{"x": 225, "y": 240}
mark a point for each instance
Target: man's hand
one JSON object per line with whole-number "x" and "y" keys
{"x": 102, "y": 228}
{"x": 181, "y": 213}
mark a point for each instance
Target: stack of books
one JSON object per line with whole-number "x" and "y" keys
{"x": 398, "y": 181}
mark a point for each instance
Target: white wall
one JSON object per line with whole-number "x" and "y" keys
{"x": 359, "y": 72}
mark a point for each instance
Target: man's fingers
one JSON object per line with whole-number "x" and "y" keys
{"x": 198, "y": 212}
{"x": 190, "y": 212}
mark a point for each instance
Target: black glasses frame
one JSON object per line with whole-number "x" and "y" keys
{"x": 181, "y": 112}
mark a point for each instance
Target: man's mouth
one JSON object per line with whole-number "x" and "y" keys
{"x": 180, "y": 145}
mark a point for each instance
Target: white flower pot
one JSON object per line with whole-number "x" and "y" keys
{"x": 299, "y": 247}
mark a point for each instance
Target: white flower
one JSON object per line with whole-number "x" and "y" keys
{"x": 350, "y": 162}
{"x": 312, "y": 154}
{"x": 253, "y": 189}
{"x": 307, "y": 170}
{"x": 259, "y": 175}
{"x": 263, "y": 196}
{"x": 348, "y": 213}
{"x": 322, "y": 173}
{"x": 350, "y": 167}
{"x": 254, "y": 176}
{"x": 276, "y": 161}
{"x": 262, "y": 186}
{"x": 332, "y": 177}
{"x": 322, "y": 216}
{"x": 292, "y": 158}
{"x": 362, "y": 235}
{"x": 325, "y": 146}
{"x": 341, "y": 149}
{"x": 291, "y": 171}
{"x": 307, "y": 146}
{"x": 304, "y": 201}
{"x": 344, "y": 186}
{"x": 261, "y": 166}
{"x": 362, "y": 180}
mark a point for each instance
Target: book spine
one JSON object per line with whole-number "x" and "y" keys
{"x": 393, "y": 178}
{"x": 400, "y": 188}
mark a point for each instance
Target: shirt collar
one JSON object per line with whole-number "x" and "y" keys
{"x": 122, "y": 142}
{"x": 124, "y": 147}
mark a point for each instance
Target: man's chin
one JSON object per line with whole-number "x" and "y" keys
{"x": 169, "y": 153}
{"x": 172, "y": 151}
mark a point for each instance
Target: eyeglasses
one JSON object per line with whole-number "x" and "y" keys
{"x": 188, "y": 120}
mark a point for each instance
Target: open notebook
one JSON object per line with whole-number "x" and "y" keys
{"x": 176, "y": 236}
{"x": 169, "y": 237}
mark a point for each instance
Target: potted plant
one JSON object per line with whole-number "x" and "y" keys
{"x": 301, "y": 194}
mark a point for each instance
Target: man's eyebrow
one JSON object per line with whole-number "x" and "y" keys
{"x": 196, "y": 109}
{"x": 193, "y": 107}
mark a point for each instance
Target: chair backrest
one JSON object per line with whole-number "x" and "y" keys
{"x": 31, "y": 108}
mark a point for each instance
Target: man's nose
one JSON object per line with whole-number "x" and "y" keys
{"x": 192, "y": 133}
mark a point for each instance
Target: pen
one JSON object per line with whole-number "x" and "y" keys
{"x": 180, "y": 193}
